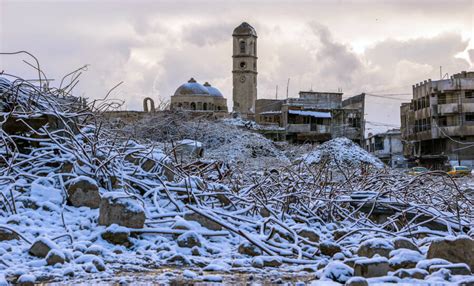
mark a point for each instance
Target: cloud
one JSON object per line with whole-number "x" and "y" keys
{"x": 471, "y": 57}
{"x": 155, "y": 46}
{"x": 202, "y": 34}
{"x": 335, "y": 59}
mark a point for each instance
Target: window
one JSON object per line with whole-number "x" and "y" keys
{"x": 469, "y": 116}
{"x": 442, "y": 121}
{"x": 442, "y": 98}
{"x": 242, "y": 47}
{"x": 378, "y": 144}
{"x": 354, "y": 122}
{"x": 469, "y": 94}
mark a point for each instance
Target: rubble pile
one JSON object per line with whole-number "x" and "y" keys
{"x": 221, "y": 139}
{"x": 344, "y": 152}
{"x": 78, "y": 201}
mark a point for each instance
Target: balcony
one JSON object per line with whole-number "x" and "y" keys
{"x": 308, "y": 128}
{"x": 467, "y": 107}
{"x": 458, "y": 130}
{"x": 448, "y": 108}
{"x": 298, "y": 128}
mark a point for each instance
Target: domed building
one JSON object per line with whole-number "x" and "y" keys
{"x": 194, "y": 96}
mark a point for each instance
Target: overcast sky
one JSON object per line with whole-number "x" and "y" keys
{"x": 379, "y": 47}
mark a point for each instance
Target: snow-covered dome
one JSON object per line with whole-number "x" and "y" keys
{"x": 212, "y": 90}
{"x": 191, "y": 88}
{"x": 244, "y": 29}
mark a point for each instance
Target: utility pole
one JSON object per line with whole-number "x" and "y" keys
{"x": 287, "y": 87}
{"x": 276, "y": 92}
{"x": 440, "y": 72}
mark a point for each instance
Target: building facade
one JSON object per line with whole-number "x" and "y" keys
{"x": 193, "y": 96}
{"x": 244, "y": 69}
{"x": 387, "y": 147}
{"x": 314, "y": 116}
{"x": 437, "y": 126}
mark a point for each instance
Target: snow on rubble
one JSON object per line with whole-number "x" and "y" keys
{"x": 342, "y": 151}
{"x": 83, "y": 204}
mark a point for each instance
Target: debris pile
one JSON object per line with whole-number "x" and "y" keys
{"x": 342, "y": 151}
{"x": 78, "y": 200}
{"x": 221, "y": 139}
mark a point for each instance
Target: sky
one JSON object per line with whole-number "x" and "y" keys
{"x": 376, "y": 47}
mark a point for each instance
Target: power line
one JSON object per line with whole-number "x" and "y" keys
{"x": 389, "y": 96}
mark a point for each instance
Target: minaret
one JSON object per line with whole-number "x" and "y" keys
{"x": 244, "y": 69}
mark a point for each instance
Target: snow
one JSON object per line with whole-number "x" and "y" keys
{"x": 338, "y": 271}
{"x": 115, "y": 228}
{"x": 427, "y": 263}
{"x": 43, "y": 191}
{"x": 189, "y": 274}
{"x": 399, "y": 256}
{"x": 124, "y": 199}
{"x": 245, "y": 182}
{"x": 217, "y": 266}
{"x": 194, "y": 143}
{"x": 25, "y": 278}
{"x": 341, "y": 151}
{"x": 316, "y": 114}
{"x": 3, "y": 280}
{"x": 81, "y": 178}
{"x": 378, "y": 243}
{"x": 47, "y": 241}
{"x": 373, "y": 260}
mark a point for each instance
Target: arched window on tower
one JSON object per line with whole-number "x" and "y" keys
{"x": 242, "y": 47}
{"x": 193, "y": 106}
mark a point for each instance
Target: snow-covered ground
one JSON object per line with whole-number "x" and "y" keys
{"x": 82, "y": 203}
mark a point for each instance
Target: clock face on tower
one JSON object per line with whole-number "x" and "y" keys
{"x": 242, "y": 78}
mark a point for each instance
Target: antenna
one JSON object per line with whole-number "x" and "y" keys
{"x": 287, "y": 87}
{"x": 276, "y": 92}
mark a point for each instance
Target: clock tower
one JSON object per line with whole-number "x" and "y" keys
{"x": 244, "y": 69}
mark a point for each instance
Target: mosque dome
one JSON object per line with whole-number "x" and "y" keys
{"x": 212, "y": 90}
{"x": 191, "y": 88}
{"x": 244, "y": 29}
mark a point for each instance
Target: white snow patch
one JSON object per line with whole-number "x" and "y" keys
{"x": 341, "y": 150}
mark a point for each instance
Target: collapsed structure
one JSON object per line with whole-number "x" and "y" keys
{"x": 313, "y": 117}
{"x": 437, "y": 126}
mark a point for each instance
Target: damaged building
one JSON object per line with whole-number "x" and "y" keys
{"x": 437, "y": 126}
{"x": 312, "y": 117}
{"x": 388, "y": 147}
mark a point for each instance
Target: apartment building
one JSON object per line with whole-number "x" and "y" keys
{"x": 437, "y": 126}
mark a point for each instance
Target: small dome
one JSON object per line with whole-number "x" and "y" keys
{"x": 191, "y": 88}
{"x": 244, "y": 29}
{"x": 212, "y": 90}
